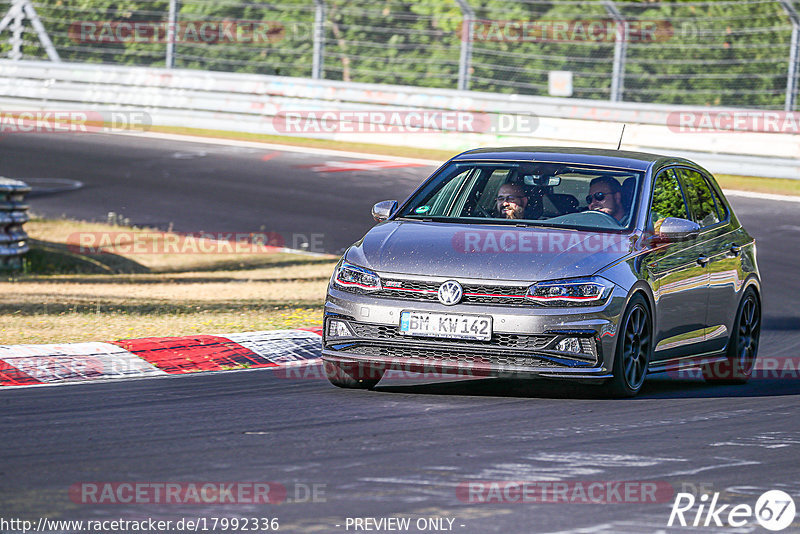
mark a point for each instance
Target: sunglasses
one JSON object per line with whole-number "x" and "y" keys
{"x": 508, "y": 198}
{"x": 599, "y": 196}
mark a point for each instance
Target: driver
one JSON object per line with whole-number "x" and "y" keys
{"x": 511, "y": 201}
{"x": 605, "y": 194}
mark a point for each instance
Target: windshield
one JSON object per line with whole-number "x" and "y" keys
{"x": 534, "y": 193}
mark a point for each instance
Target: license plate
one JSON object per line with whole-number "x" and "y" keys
{"x": 448, "y": 325}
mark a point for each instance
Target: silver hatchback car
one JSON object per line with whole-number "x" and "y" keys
{"x": 568, "y": 263}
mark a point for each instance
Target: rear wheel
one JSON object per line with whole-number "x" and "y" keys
{"x": 634, "y": 348}
{"x": 742, "y": 346}
{"x": 353, "y": 375}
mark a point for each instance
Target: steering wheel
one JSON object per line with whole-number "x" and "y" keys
{"x": 592, "y": 212}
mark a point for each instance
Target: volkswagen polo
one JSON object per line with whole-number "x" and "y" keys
{"x": 567, "y": 263}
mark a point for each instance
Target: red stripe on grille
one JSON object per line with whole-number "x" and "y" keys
{"x": 412, "y": 289}
{"x": 493, "y": 296}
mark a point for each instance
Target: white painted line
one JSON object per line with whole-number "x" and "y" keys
{"x": 278, "y": 147}
{"x": 761, "y": 196}
{"x": 365, "y": 155}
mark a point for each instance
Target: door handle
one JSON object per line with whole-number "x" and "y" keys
{"x": 734, "y": 250}
{"x": 702, "y": 260}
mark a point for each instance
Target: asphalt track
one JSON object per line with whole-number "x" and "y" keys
{"x": 192, "y": 187}
{"x": 403, "y": 449}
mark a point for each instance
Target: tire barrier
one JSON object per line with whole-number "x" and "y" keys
{"x": 13, "y": 214}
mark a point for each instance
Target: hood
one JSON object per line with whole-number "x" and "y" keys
{"x": 496, "y": 252}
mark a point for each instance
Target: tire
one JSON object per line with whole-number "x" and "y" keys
{"x": 742, "y": 345}
{"x": 353, "y": 375}
{"x": 634, "y": 350}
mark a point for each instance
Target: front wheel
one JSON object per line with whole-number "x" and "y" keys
{"x": 353, "y": 375}
{"x": 742, "y": 345}
{"x": 634, "y": 348}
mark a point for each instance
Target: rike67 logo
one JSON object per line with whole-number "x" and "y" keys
{"x": 774, "y": 510}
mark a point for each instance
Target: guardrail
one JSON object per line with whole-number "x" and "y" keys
{"x": 13, "y": 214}
{"x": 251, "y": 103}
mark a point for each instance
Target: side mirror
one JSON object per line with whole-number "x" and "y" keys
{"x": 674, "y": 230}
{"x": 383, "y": 210}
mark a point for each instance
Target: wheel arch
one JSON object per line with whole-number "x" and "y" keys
{"x": 643, "y": 288}
{"x": 753, "y": 281}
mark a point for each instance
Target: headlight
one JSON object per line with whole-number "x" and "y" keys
{"x": 590, "y": 291}
{"x": 349, "y": 276}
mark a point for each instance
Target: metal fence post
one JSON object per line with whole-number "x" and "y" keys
{"x": 318, "y": 61}
{"x": 172, "y": 30}
{"x": 16, "y": 31}
{"x": 794, "y": 51}
{"x": 465, "y": 58}
{"x": 13, "y": 214}
{"x": 19, "y": 10}
{"x": 620, "y": 51}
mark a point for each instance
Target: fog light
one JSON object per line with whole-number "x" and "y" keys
{"x": 337, "y": 328}
{"x": 570, "y": 344}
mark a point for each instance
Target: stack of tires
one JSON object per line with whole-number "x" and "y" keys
{"x": 13, "y": 214}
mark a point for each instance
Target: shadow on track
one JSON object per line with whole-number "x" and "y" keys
{"x": 655, "y": 387}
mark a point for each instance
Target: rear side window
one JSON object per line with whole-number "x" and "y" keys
{"x": 667, "y": 199}
{"x": 698, "y": 195}
{"x": 722, "y": 212}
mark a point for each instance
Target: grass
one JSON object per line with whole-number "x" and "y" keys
{"x": 68, "y": 295}
{"x": 778, "y": 186}
{"x": 369, "y": 148}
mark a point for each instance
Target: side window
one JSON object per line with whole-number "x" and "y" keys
{"x": 667, "y": 199}
{"x": 722, "y": 213}
{"x": 698, "y": 195}
{"x": 442, "y": 200}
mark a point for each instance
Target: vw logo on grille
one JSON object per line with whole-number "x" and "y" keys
{"x": 450, "y": 293}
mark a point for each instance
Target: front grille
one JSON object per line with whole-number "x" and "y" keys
{"x": 513, "y": 341}
{"x": 473, "y": 293}
{"x": 451, "y": 356}
{"x": 522, "y": 350}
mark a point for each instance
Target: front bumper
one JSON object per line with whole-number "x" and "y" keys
{"x": 522, "y": 341}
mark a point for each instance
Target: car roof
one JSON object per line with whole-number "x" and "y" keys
{"x": 639, "y": 161}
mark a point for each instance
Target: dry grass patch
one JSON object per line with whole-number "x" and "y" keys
{"x": 120, "y": 294}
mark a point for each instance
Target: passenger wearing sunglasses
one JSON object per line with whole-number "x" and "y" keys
{"x": 605, "y": 194}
